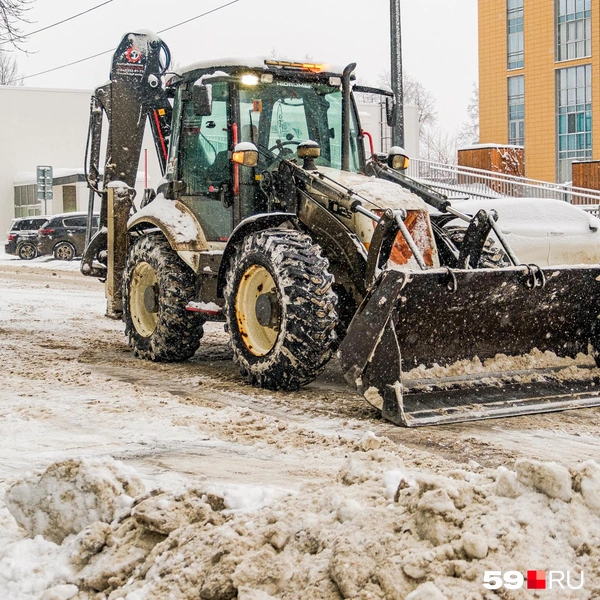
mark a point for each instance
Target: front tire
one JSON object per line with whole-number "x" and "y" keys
{"x": 27, "y": 251}
{"x": 280, "y": 309}
{"x": 157, "y": 286}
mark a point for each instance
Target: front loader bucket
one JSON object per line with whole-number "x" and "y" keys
{"x": 439, "y": 317}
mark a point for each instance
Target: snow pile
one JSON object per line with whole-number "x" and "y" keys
{"x": 31, "y": 567}
{"x": 70, "y": 495}
{"x": 379, "y": 530}
{"x": 379, "y": 193}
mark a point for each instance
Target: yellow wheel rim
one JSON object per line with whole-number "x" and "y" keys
{"x": 143, "y": 299}
{"x": 257, "y": 310}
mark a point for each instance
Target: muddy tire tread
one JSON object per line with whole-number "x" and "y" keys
{"x": 307, "y": 337}
{"x": 492, "y": 256}
{"x": 178, "y": 332}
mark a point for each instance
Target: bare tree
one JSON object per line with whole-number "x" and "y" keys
{"x": 275, "y": 54}
{"x": 437, "y": 145}
{"x": 9, "y": 72}
{"x": 415, "y": 94}
{"x": 12, "y": 12}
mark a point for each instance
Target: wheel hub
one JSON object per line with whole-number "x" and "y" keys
{"x": 151, "y": 298}
{"x": 64, "y": 252}
{"x": 257, "y": 310}
{"x": 143, "y": 299}
{"x": 266, "y": 310}
{"x": 27, "y": 251}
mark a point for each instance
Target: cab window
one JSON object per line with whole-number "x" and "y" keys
{"x": 204, "y": 164}
{"x": 278, "y": 116}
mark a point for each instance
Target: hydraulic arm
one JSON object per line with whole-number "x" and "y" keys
{"x": 134, "y": 94}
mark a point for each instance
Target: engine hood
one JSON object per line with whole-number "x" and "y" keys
{"x": 375, "y": 192}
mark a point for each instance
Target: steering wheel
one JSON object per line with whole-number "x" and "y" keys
{"x": 280, "y": 146}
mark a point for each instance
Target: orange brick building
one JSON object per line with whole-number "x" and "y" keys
{"x": 539, "y": 70}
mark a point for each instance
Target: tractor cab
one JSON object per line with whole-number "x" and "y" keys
{"x": 272, "y": 105}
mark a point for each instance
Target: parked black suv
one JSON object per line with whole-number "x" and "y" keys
{"x": 64, "y": 235}
{"x": 21, "y": 238}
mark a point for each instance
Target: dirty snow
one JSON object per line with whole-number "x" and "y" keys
{"x": 182, "y": 226}
{"x": 121, "y": 479}
{"x": 533, "y": 366}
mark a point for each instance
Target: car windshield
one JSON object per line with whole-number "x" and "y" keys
{"x": 278, "y": 116}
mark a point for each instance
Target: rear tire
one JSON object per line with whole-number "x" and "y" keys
{"x": 64, "y": 251}
{"x": 27, "y": 251}
{"x": 280, "y": 309}
{"x": 157, "y": 286}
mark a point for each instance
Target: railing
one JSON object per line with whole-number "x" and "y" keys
{"x": 460, "y": 182}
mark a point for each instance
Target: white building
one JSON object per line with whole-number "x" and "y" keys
{"x": 48, "y": 127}
{"x": 38, "y": 127}
{"x": 373, "y": 121}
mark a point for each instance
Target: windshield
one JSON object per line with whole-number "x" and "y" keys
{"x": 278, "y": 116}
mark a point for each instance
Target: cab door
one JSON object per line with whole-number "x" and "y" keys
{"x": 204, "y": 165}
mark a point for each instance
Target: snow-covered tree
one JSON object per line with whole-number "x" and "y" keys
{"x": 469, "y": 133}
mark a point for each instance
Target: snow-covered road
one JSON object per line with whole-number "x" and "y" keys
{"x": 70, "y": 388}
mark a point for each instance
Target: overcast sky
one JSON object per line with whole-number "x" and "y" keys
{"x": 439, "y": 39}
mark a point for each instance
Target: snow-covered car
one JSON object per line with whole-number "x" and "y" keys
{"x": 542, "y": 231}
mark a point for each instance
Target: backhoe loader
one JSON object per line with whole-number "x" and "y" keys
{"x": 272, "y": 218}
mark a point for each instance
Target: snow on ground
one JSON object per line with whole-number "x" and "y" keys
{"x": 122, "y": 479}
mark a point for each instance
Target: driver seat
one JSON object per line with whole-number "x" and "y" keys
{"x": 220, "y": 170}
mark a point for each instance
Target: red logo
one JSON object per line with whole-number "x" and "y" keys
{"x": 536, "y": 580}
{"x": 133, "y": 54}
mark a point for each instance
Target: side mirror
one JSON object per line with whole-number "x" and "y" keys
{"x": 202, "y": 99}
{"x": 245, "y": 153}
{"x": 391, "y": 110}
{"x": 397, "y": 158}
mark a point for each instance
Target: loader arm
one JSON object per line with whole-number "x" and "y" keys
{"x": 344, "y": 201}
{"x": 479, "y": 226}
{"x": 134, "y": 95}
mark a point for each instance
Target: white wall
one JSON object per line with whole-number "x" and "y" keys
{"x": 38, "y": 127}
{"x": 46, "y": 127}
{"x": 372, "y": 120}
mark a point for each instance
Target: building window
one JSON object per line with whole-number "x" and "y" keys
{"x": 573, "y": 29}
{"x": 516, "y": 110}
{"x": 514, "y": 9}
{"x": 26, "y": 201}
{"x": 69, "y": 198}
{"x": 574, "y": 119}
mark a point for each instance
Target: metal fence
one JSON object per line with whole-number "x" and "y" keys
{"x": 461, "y": 182}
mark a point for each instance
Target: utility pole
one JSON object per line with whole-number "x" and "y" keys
{"x": 396, "y": 57}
